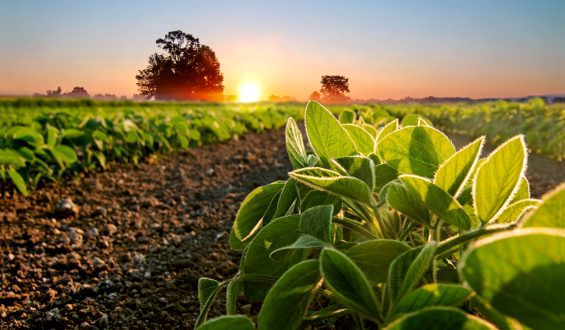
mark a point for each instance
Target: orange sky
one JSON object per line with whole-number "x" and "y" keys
{"x": 388, "y": 50}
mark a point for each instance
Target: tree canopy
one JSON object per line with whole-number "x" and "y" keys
{"x": 334, "y": 89}
{"x": 187, "y": 70}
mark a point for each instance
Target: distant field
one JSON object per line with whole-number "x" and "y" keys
{"x": 47, "y": 139}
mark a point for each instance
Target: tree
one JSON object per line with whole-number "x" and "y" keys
{"x": 187, "y": 70}
{"x": 54, "y": 93}
{"x": 77, "y": 92}
{"x": 314, "y": 96}
{"x": 334, "y": 89}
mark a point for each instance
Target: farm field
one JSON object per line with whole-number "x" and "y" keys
{"x": 145, "y": 232}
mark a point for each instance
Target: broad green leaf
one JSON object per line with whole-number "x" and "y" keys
{"x": 287, "y": 301}
{"x": 432, "y": 295}
{"x": 410, "y": 120}
{"x": 317, "y": 222}
{"x": 317, "y": 197}
{"x": 515, "y": 210}
{"x": 52, "y": 135}
{"x": 72, "y": 133}
{"x": 231, "y": 322}
{"x": 253, "y": 208}
{"x": 406, "y": 271}
{"x": 287, "y": 199}
{"x": 334, "y": 183}
{"x": 402, "y": 199}
{"x": 270, "y": 212}
{"x": 386, "y": 130}
{"x": 551, "y": 213}
{"x": 347, "y": 117}
{"x": 326, "y": 135}
{"x": 375, "y": 256}
{"x": 440, "y": 318}
{"x": 520, "y": 273}
{"x": 362, "y": 139}
{"x": 453, "y": 174}
{"x": 371, "y": 130}
{"x": 27, "y": 153}
{"x": 497, "y": 179}
{"x": 501, "y": 321}
{"x": 383, "y": 175}
{"x": 348, "y": 283}
{"x": 11, "y": 157}
{"x": 232, "y": 293}
{"x": 437, "y": 200}
{"x": 207, "y": 291}
{"x": 29, "y": 135}
{"x": 523, "y": 191}
{"x": 295, "y": 144}
{"x": 416, "y": 150}
{"x": 360, "y": 167}
{"x": 64, "y": 155}
{"x": 18, "y": 181}
{"x": 258, "y": 270}
{"x": 206, "y": 287}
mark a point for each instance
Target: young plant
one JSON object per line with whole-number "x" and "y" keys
{"x": 381, "y": 223}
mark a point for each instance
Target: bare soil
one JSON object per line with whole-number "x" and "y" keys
{"x": 143, "y": 235}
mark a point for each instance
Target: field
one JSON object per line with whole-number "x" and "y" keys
{"x": 129, "y": 205}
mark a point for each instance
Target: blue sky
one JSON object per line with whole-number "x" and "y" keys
{"x": 386, "y": 48}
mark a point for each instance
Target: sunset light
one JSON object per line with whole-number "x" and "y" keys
{"x": 249, "y": 92}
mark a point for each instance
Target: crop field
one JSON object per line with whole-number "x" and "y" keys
{"x": 281, "y": 216}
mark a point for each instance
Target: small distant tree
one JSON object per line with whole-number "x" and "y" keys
{"x": 334, "y": 89}
{"x": 77, "y": 92}
{"x": 54, "y": 93}
{"x": 187, "y": 70}
{"x": 314, "y": 96}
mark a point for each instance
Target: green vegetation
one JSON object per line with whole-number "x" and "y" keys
{"x": 405, "y": 232}
{"x": 46, "y": 139}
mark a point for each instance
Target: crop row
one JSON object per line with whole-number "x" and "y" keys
{"x": 390, "y": 226}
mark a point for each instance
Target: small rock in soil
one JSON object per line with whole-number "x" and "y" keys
{"x": 65, "y": 208}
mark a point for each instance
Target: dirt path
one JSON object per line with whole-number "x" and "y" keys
{"x": 144, "y": 235}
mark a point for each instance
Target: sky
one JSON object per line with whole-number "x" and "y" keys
{"x": 387, "y": 49}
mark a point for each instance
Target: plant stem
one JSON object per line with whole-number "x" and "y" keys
{"x": 451, "y": 243}
{"x": 355, "y": 226}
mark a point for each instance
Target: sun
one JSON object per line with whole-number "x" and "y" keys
{"x": 249, "y": 92}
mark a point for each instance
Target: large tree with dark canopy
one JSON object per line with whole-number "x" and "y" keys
{"x": 334, "y": 89}
{"x": 187, "y": 70}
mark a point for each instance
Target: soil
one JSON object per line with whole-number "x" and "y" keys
{"x": 125, "y": 248}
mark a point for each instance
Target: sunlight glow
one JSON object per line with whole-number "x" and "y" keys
{"x": 249, "y": 92}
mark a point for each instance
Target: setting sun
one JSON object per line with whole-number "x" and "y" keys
{"x": 249, "y": 92}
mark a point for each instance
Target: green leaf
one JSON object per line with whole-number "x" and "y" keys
{"x": 437, "y": 200}
{"x": 287, "y": 301}
{"x": 52, "y": 134}
{"x": 375, "y": 256}
{"x": 64, "y": 154}
{"x": 348, "y": 283}
{"x": 347, "y": 117}
{"x": 453, "y": 174}
{"x": 521, "y": 274}
{"x": 439, "y": 318}
{"x": 287, "y": 199}
{"x": 407, "y": 270}
{"x": 362, "y": 139}
{"x": 360, "y": 167}
{"x": 251, "y": 211}
{"x": 416, "y": 150}
{"x": 515, "y": 210}
{"x": 334, "y": 183}
{"x": 18, "y": 181}
{"x": 232, "y": 293}
{"x": 295, "y": 145}
{"x": 11, "y": 157}
{"x": 386, "y": 130}
{"x": 523, "y": 191}
{"x": 497, "y": 179}
{"x": 29, "y": 135}
{"x": 317, "y": 222}
{"x": 432, "y": 295}
{"x": 258, "y": 270}
{"x": 303, "y": 242}
{"x": 207, "y": 291}
{"x": 326, "y": 135}
{"x": 317, "y": 197}
{"x": 27, "y": 153}
{"x": 383, "y": 175}
{"x": 551, "y": 213}
{"x": 231, "y": 322}
{"x": 72, "y": 133}
{"x": 407, "y": 202}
